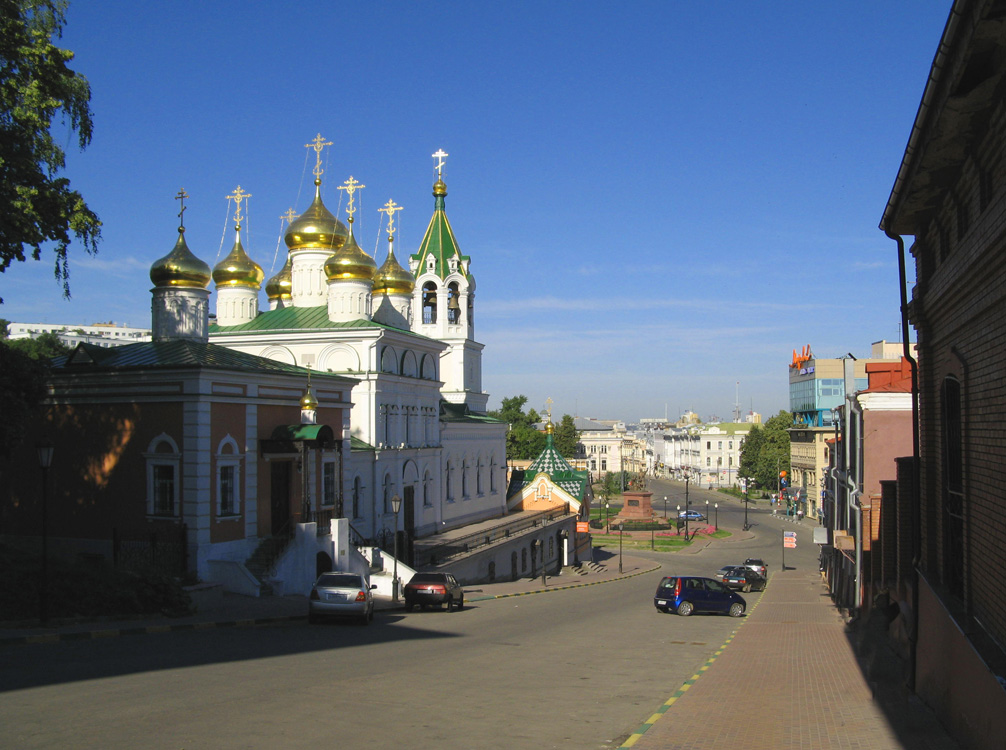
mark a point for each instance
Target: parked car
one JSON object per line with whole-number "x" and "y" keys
{"x": 743, "y": 578}
{"x": 434, "y": 588}
{"x": 341, "y": 595}
{"x": 687, "y": 594}
{"x": 718, "y": 575}
{"x": 757, "y": 565}
{"x": 691, "y": 515}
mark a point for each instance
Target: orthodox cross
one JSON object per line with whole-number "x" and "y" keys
{"x": 390, "y": 208}
{"x": 237, "y": 196}
{"x": 290, "y": 215}
{"x": 351, "y": 186}
{"x": 548, "y": 407}
{"x": 182, "y": 195}
{"x": 318, "y": 144}
{"x": 440, "y": 156}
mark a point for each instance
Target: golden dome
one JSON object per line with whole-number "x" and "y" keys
{"x": 280, "y": 286}
{"x": 237, "y": 269}
{"x": 439, "y": 188}
{"x": 316, "y": 227}
{"x": 391, "y": 278}
{"x": 180, "y": 267}
{"x": 308, "y": 400}
{"x": 349, "y": 262}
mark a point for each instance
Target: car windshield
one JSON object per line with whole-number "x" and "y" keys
{"x": 339, "y": 581}
{"x": 428, "y": 578}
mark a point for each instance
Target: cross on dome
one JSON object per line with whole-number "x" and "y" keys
{"x": 318, "y": 144}
{"x": 182, "y": 195}
{"x": 390, "y": 208}
{"x": 237, "y": 196}
{"x": 290, "y": 215}
{"x": 440, "y": 156}
{"x": 351, "y": 186}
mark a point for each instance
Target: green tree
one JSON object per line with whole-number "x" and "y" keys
{"x": 523, "y": 441}
{"x": 566, "y": 437}
{"x": 766, "y": 451}
{"x": 36, "y": 86}
{"x": 3, "y": 328}
{"x": 751, "y": 452}
{"x": 42, "y": 348}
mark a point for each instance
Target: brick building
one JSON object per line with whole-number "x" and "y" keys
{"x": 950, "y": 194}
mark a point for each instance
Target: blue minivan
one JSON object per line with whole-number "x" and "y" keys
{"x": 687, "y": 594}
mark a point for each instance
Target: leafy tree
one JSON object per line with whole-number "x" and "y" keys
{"x": 766, "y": 451}
{"x": 36, "y": 86}
{"x": 523, "y": 441}
{"x": 3, "y": 328}
{"x": 43, "y": 347}
{"x": 566, "y": 437}
{"x": 610, "y": 485}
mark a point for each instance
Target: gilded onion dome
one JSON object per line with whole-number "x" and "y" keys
{"x": 237, "y": 269}
{"x": 316, "y": 227}
{"x": 349, "y": 262}
{"x": 180, "y": 268}
{"x": 308, "y": 400}
{"x": 280, "y": 286}
{"x": 391, "y": 278}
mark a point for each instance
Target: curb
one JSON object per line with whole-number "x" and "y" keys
{"x": 565, "y": 587}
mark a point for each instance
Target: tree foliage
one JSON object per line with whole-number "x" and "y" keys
{"x": 566, "y": 437}
{"x": 36, "y": 87}
{"x": 523, "y": 441}
{"x": 766, "y": 451}
{"x": 22, "y": 388}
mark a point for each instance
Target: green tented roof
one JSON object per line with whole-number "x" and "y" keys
{"x": 550, "y": 462}
{"x": 439, "y": 242}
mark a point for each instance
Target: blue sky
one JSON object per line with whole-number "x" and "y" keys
{"x": 661, "y": 200}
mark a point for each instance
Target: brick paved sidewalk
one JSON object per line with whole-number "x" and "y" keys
{"x": 788, "y": 679}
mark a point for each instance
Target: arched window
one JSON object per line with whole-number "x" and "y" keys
{"x": 429, "y": 302}
{"x": 163, "y": 477}
{"x": 228, "y": 460}
{"x": 492, "y": 476}
{"x": 464, "y": 479}
{"x": 453, "y": 303}
{"x": 427, "y": 490}
{"x": 478, "y": 478}
{"x": 448, "y": 488}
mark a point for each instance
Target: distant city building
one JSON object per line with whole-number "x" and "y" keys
{"x": 709, "y": 453}
{"x": 71, "y": 334}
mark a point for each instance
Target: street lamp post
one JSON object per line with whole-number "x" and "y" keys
{"x": 677, "y": 522}
{"x": 747, "y": 485}
{"x": 44, "y": 449}
{"x": 665, "y": 507}
{"x": 717, "y": 506}
{"x": 621, "y": 525}
{"x": 607, "y": 528}
{"x": 396, "y": 505}
{"x": 707, "y": 511}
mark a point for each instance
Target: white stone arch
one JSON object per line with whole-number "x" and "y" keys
{"x": 428, "y": 369}
{"x": 389, "y": 360}
{"x": 339, "y": 358}
{"x": 279, "y": 353}
{"x": 409, "y": 365}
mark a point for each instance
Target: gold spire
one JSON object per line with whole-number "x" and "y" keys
{"x": 180, "y": 268}
{"x": 308, "y": 400}
{"x": 237, "y": 269}
{"x": 316, "y": 227}
{"x": 391, "y": 278}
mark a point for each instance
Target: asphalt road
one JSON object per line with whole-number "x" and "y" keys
{"x": 567, "y": 669}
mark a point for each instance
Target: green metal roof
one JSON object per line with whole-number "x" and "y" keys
{"x": 303, "y": 432}
{"x": 173, "y": 354}
{"x": 551, "y": 462}
{"x": 461, "y": 413}
{"x": 355, "y": 444}
{"x": 439, "y": 242}
{"x": 297, "y": 319}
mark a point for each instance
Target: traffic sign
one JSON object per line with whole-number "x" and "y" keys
{"x": 789, "y": 543}
{"x": 789, "y": 534}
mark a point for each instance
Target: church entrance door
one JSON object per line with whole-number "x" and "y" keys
{"x": 280, "y": 472}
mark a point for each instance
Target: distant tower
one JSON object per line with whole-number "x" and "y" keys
{"x": 737, "y": 402}
{"x": 443, "y": 303}
{"x": 238, "y": 277}
{"x": 180, "y": 306}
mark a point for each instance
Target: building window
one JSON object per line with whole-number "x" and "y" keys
{"x": 709, "y": 461}
{"x": 464, "y": 480}
{"x": 228, "y": 478}
{"x": 478, "y": 478}
{"x": 709, "y": 445}
{"x": 357, "y": 497}
{"x": 427, "y": 490}
{"x": 492, "y": 476}
{"x": 719, "y": 445}
{"x": 386, "y": 493}
{"x": 449, "y": 490}
{"x": 163, "y": 477}
{"x": 604, "y": 464}
{"x": 329, "y": 484}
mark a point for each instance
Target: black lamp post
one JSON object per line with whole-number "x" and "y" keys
{"x": 44, "y": 449}
{"x": 665, "y": 507}
{"x": 707, "y": 511}
{"x": 717, "y": 507}
{"x": 677, "y": 522}
{"x": 747, "y": 484}
{"x": 607, "y": 528}
{"x": 396, "y": 505}
{"x": 621, "y": 525}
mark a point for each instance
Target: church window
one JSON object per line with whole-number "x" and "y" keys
{"x": 449, "y": 489}
{"x": 479, "y": 488}
{"x": 453, "y": 305}
{"x": 427, "y": 490}
{"x": 228, "y": 460}
{"x": 429, "y": 302}
{"x": 464, "y": 480}
{"x": 387, "y": 491}
{"x": 492, "y": 476}
{"x": 163, "y": 477}
{"x": 357, "y": 497}
{"x": 329, "y": 484}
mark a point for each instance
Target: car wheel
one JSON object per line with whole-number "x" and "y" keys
{"x": 450, "y": 604}
{"x": 685, "y": 608}
{"x": 461, "y": 603}
{"x": 736, "y": 609}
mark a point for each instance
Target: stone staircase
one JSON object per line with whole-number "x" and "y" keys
{"x": 264, "y": 558}
{"x": 584, "y": 568}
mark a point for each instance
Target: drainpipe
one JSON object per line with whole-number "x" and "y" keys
{"x": 856, "y": 412}
{"x": 916, "y": 521}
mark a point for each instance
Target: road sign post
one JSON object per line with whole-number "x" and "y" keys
{"x": 788, "y": 540}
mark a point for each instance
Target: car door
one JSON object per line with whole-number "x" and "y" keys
{"x": 718, "y": 596}
{"x": 695, "y": 592}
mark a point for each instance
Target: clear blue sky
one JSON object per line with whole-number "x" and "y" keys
{"x": 661, "y": 200}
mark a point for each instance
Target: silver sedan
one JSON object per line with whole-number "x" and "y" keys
{"x": 341, "y": 595}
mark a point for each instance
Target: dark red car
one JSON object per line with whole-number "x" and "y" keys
{"x": 434, "y": 588}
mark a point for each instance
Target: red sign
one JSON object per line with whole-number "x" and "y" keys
{"x": 582, "y": 527}
{"x": 789, "y": 543}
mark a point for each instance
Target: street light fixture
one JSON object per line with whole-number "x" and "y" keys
{"x": 717, "y": 506}
{"x": 665, "y": 507}
{"x": 607, "y": 528}
{"x": 396, "y": 505}
{"x": 44, "y": 449}
{"x": 677, "y": 522}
